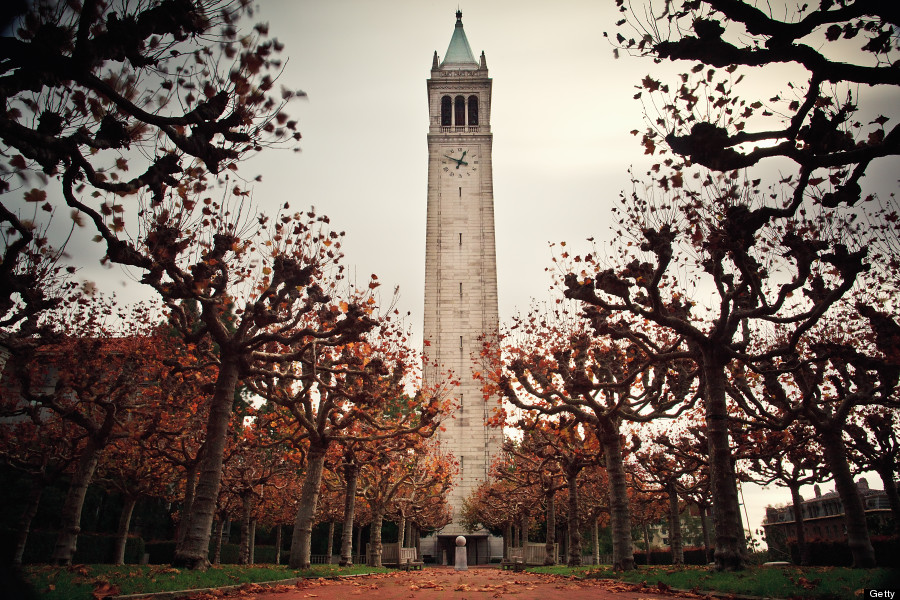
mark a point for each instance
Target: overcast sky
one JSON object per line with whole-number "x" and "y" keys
{"x": 561, "y": 112}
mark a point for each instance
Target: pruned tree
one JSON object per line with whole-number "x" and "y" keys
{"x": 128, "y": 468}
{"x": 872, "y": 436}
{"x": 535, "y": 465}
{"x": 734, "y": 227}
{"x": 792, "y": 458}
{"x": 256, "y": 462}
{"x": 837, "y": 370}
{"x": 422, "y": 500}
{"x": 95, "y": 379}
{"x": 33, "y": 281}
{"x": 713, "y": 239}
{"x": 398, "y": 464}
{"x": 555, "y": 366}
{"x": 38, "y": 444}
{"x": 702, "y": 121}
{"x": 91, "y": 89}
{"x": 331, "y": 385}
{"x": 494, "y": 504}
{"x": 661, "y": 470}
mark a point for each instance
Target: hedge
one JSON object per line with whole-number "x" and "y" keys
{"x": 92, "y": 548}
{"x": 836, "y": 553}
{"x": 692, "y": 556}
{"x": 162, "y": 553}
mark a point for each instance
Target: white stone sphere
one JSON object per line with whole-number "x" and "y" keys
{"x": 460, "y": 540}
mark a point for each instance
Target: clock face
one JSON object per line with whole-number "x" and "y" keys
{"x": 459, "y": 162}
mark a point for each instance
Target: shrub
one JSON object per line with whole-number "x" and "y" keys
{"x": 92, "y": 548}
{"x": 692, "y": 556}
{"x": 836, "y": 553}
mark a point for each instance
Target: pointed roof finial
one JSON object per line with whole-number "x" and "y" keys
{"x": 459, "y": 54}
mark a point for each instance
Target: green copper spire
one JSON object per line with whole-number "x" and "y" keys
{"x": 459, "y": 54}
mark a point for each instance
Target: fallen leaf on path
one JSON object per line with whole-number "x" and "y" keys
{"x": 105, "y": 589}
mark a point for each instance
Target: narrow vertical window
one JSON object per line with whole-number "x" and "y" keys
{"x": 460, "y": 342}
{"x": 473, "y": 110}
{"x": 460, "y": 239}
{"x": 459, "y": 112}
{"x": 446, "y": 111}
{"x": 460, "y": 192}
{"x": 460, "y": 289}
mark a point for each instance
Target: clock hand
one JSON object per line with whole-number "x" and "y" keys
{"x": 457, "y": 160}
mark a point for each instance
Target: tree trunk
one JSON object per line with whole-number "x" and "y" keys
{"x": 217, "y": 550}
{"x": 549, "y": 547}
{"x": 301, "y": 542}
{"x": 351, "y": 475}
{"x": 595, "y": 539}
{"x": 278, "y": 544}
{"x": 375, "y": 539}
{"x": 704, "y": 513}
{"x": 193, "y": 550}
{"x": 854, "y": 512}
{"x": 253, "y": 542}
{"x": 70, "y": 515}
{"x": 523, "y": 532}
{"x": 122, "y": 532}
{"x": 34, "y": 500}
{"x": 190, "y": 484}
{"x": 802, "y": 546}
{"x": 507, "y": 538}
{"x": 729, "y": 552}
{"x": 330, "y": 549}
{"x": 246, "y": 505}
{"x": 401, "y": 530}
{"x": 646, "y": 529}
{"x": 574, "y": 529}
{"x": 675, "y": 544}
{"x": 619, "y": 509}
{"x": 890, "y": 488}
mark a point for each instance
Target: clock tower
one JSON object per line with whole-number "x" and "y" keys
{"x": 461, "y": 271}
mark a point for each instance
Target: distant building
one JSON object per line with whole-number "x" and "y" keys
{"x": 823, "y": 517}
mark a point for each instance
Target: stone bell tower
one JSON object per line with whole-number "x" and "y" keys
{"x": 461, "y": 269}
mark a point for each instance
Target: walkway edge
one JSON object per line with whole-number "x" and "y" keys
{"x": 224, "y": 588}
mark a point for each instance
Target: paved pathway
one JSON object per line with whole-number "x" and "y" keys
{"x": 437, "y": 583}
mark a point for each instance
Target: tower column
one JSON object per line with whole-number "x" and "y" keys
{"x": 461, "y": 309}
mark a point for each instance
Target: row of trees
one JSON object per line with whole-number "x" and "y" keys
{"x": 554, "y": 467}
{"x": 759, "y": 300}
{"x": 127, "y": 412}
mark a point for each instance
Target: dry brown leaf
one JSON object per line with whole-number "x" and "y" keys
{"x": 104, "y": 589}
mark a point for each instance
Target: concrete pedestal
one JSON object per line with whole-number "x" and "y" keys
{"x": 461, "y": 564}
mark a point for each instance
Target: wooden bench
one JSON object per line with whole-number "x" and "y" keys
{"x": 393, "y": 555}
{"x": 408, "y": 560}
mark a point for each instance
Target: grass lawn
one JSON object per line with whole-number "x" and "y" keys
{"x": 823, "y": 583}
{"x": 79, "y": 581}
